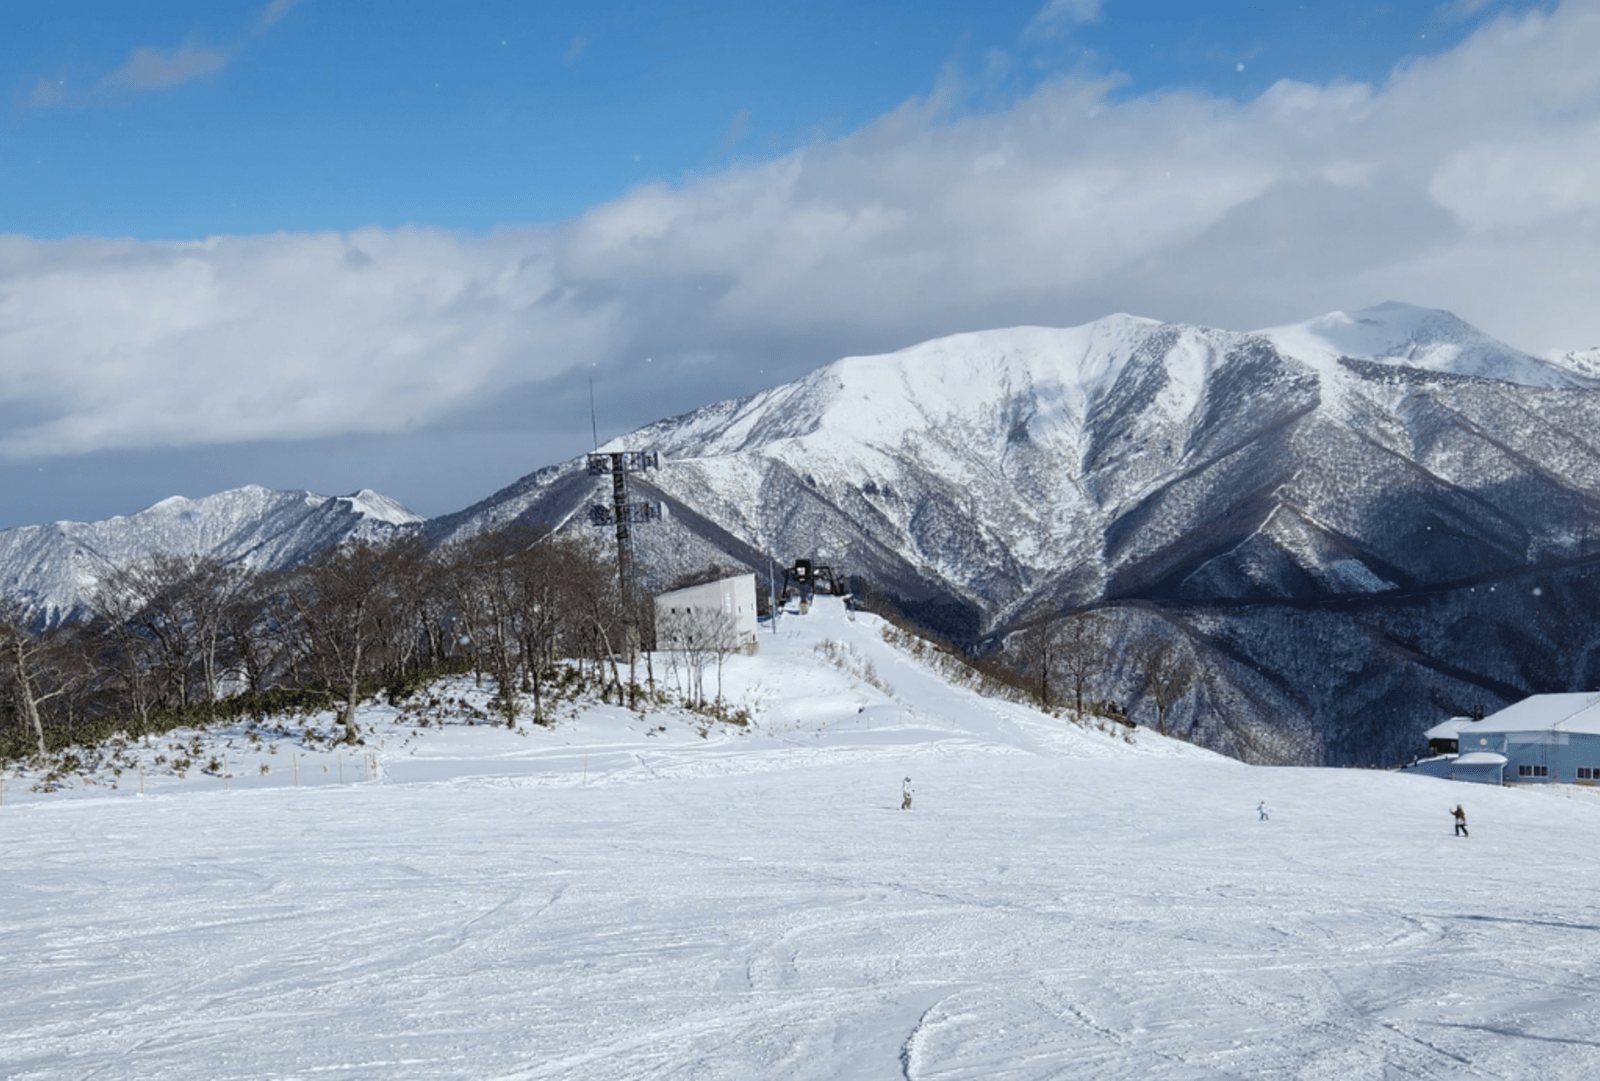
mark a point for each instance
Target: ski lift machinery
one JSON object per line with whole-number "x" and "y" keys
{"x": 807, "y": 576}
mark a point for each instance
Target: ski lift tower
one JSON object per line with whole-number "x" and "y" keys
{"x": 623, "y": 513}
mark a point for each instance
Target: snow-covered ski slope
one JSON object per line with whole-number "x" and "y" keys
{"x": 621, "y": 897}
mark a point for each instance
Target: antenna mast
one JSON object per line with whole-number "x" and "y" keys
{"x": 594, "y": 425}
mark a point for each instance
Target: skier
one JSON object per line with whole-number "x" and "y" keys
{"x": 1261, "y": 809}
{"x": 905, "y": 795}
{"x": 1461, "y": 822}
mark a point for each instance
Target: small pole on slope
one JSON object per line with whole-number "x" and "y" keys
{"x": 224, "y": 771}
{"x": 585, "y": 769}
{"x": 340, "y": 757}
{"x": 772, "y": 595}
{"x": 294, "y": 762}
{"x": 141, "y": 778}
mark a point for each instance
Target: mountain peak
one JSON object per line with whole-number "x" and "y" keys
{"x": 376, "y": 505}
{"x": 53, "y": 568}
{"x": 1430, "y": 339}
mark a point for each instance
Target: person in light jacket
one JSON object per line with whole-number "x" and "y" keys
{"x": 1461, "y": 822}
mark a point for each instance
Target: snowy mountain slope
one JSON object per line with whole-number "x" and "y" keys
{"x": 52, "y": 568}
{"x": 1127, "y": 457}
{"x": 985, "y": 476}
{"x": 620, "y": 897}
{"x": 1425, "y": 339}
{"x": 1285, "y": 502}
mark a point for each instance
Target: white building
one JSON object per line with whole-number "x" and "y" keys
{"x": 1543, "y": 739}
{"x": 724, "y": 610}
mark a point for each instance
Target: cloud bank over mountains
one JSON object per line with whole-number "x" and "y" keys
{"x": 1469, "y": 181}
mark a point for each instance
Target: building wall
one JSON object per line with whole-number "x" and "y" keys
{"x": 1544, "y": 757}
{"x": 734, "y": 597}
{"x": 1557, "y": 757}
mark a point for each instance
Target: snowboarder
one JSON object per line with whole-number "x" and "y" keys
{"x": 905, "y": 795}
{"x": 1461, "y": 822}
{"x": 1261, "y": 809}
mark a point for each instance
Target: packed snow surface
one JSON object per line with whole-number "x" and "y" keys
{"x": 623, "y": 897}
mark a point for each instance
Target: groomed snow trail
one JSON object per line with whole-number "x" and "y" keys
{"x": 1058, "y": 904}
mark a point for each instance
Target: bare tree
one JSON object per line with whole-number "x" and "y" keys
{"x": 342, "y": 600}
{"x": 540, "y": 570}
{"x": 1082, "y": 653}
{"x": 1038, "y": 649}
{"x": 214, "y": 593}
{"x": 599, "y": 620}
{"x": 489, "y": 580}
{"x": 695, "y": 638}
{"x": 117, "y": 602}
{"x": 1168, "y": 670}
{"x": 423, "y": 599}
{"x": 153, "y": 598}
{"x": 36, "y": 668}
{"x": 250, "y": 624}
{"x": 170, "y": 615}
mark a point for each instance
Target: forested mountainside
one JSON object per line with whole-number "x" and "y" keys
{"x": 1356, "y": 524}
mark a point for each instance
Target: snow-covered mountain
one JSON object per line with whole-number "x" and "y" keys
{"x": 1359, "y": 524}
{"x": 1583, "y": 361}
{"x": 1279, "y": 498}
{"x": 1129, "y": 458}
{"x": 53, "y": 568}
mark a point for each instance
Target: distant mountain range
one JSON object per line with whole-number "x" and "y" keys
{"x": 54, "y": 568}
{"x": 1359, "y": 524}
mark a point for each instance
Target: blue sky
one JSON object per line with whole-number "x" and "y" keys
{"x": 323, "y": 115}
{"x": 332, "y": 245}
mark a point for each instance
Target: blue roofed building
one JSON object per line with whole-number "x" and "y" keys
{"x": 1543, "y": 739}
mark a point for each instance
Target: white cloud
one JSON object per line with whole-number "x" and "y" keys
{"x": 275, "y": 11}
{"x": 151, "y": 69}
{"x": 1467, "y": 182}
{"x": 1462, "y": 9}
{"x": 148, "y": 68}
{"x": 1059, "y": 14}
{"x": 127, "y": 344}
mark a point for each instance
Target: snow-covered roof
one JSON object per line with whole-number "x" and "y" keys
{"x": 1447, "y": 729}
{"x": 1541, "y": 713}
{"x": 1481, "y": 758}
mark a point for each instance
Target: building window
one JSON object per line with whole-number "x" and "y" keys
{"x": 1587, "y": 773}
{"x": 1533, "y": 771}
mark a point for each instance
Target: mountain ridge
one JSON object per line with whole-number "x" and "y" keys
{"x": 52, "y": 569}
{"x": 1189, "y": 479}
{"x": 1289, "y": 505}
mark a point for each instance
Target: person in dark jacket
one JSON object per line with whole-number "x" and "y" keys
{"x": 1461, "y": 822}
